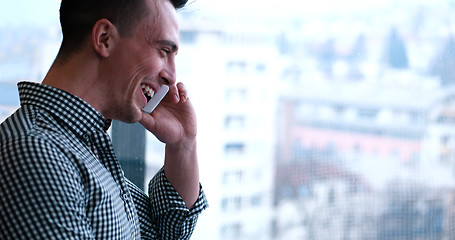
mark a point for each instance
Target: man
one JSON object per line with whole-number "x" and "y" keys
{"x": 59, "y": 176}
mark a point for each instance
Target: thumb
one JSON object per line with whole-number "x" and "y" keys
{"x": 148, "y": 121}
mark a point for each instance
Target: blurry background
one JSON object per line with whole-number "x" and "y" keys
{"x": 317, "y": 119}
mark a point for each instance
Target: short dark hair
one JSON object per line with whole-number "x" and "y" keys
{"x": 77, "y": 18}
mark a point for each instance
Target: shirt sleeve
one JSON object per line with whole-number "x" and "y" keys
{"x": 148, "y": 227}
{"x": 168, "y": 210}
{"x": 41, "y": 194}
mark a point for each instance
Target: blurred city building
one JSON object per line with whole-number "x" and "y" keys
{"x": 326, "y": 125}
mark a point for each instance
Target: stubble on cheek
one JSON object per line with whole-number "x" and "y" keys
{"x": 125, "y": 105}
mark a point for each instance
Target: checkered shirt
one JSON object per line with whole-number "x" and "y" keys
{"x": 60, "y": 179}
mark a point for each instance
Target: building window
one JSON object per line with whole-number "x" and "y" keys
{"x": 188, "y": 36}
{"x": 233, "y": 177}
{"x": 231, "y": 231}
{"x": 256, "y": 200}
{"x": 233, "y": 149}
{"x": 236, "y": 67}
{"x": 231, "y": 203}
{"x": 367, "y": 113}
{"x": 261, "y": 68}
{"x": 236, "y": 96}
{"x": 234, "y": 122}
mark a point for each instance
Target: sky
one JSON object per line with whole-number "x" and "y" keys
{"x": 29, "y": 12}
{"x": 45, "y": 12}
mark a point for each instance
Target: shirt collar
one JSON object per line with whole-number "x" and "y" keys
{"x": 74, "y": 112}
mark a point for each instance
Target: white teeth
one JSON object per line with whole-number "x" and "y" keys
{"x": 147, "y": 90}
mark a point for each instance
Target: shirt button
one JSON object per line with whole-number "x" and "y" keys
{"x": 85, "y": 137}
{"x": 124, "y": 197}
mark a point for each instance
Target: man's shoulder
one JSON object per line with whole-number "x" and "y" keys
{"x": 28, "y": 139}
{"x": 28, "y": 125}
{"x": 19, "y": 123}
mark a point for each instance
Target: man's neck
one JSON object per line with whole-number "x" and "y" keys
{"x": 77, "y": 76}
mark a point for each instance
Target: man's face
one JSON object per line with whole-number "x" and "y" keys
{"x": 147, "y": 58}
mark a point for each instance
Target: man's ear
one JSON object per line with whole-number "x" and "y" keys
{"x": 102, "y": 37}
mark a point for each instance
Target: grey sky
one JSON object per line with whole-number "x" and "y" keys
{"x": 29, "y": 12}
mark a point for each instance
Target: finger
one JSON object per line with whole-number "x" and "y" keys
{"x": 148, "y": 122}
{"x": 174, "y": 94}
{"x": 183, "y": 92}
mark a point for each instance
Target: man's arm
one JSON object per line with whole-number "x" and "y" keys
{"x": 164, "y": 214}
{"x": 174, "y": 123}
{"x": 169, "y": 211}
{"x": 181, "y": 169}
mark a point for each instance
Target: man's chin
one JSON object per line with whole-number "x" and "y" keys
{"x": 132, "y": 116}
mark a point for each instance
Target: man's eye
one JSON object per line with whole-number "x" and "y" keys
{"x": 165, "y": 51}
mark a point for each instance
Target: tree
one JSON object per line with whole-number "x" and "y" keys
{"x": 396, "y": 54}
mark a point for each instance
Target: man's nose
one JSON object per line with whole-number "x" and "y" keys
{"x": 168, "y": 74}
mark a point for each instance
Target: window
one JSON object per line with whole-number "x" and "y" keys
{"x": 234, "y": 149}
{"x": 236, "y": 67}
{"x": 231, "y": 231}
{"x": 235, "y": 122}
{"x": 233, "y": 204}
{"x": 236, "y": 96}
{"x": 256, "y": 200}
{"x": 233, "y": 178}
{"x": 188, "y": 36}
{"x": 367, "y": 114}
{"x": 357, "y": 140}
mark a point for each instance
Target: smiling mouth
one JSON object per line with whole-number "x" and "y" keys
{"x": 148, "y": 92}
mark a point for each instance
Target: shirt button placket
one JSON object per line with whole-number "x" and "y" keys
{"x": 129, "y": 212}
{"x": 126, "y": 203}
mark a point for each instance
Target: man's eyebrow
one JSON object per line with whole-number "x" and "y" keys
{"x": 173, "y": 45}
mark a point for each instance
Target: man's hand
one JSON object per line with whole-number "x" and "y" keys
{"x": 174, "y": 119}
{"x": 174, "y": 123}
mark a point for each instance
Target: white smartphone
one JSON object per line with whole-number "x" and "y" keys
{"x": 156, "y": 99}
